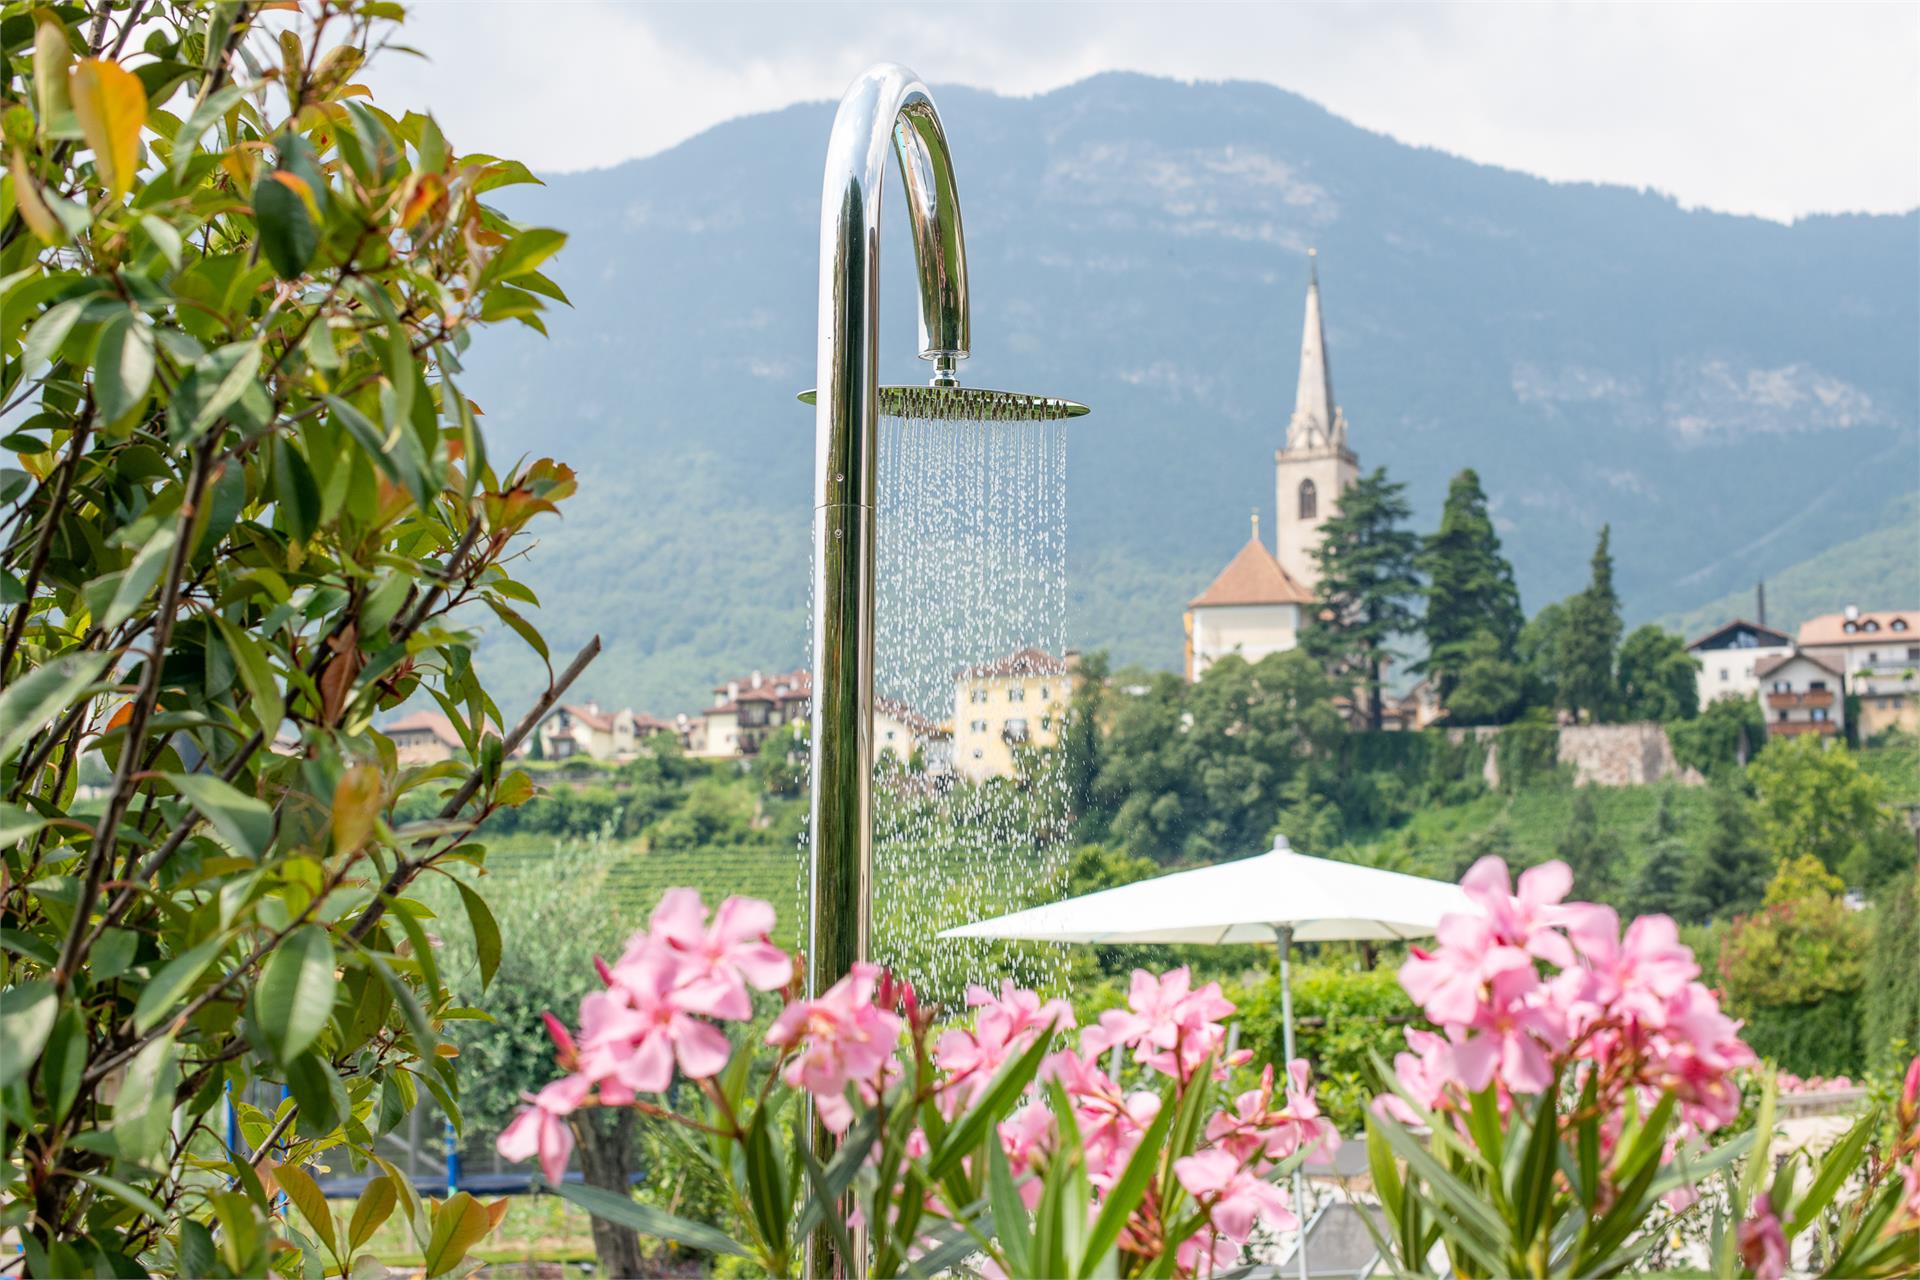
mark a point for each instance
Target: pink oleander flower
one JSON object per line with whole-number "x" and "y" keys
{"x": 1523, "y": 919}
{"x": 842, "y": 1038}
{"x": 1005, "y": 1028}
{"x": 718, "y": 963}
{"x": 1205, "y": 1253}
{"x": 542, "y": 1128}
{"x": 1256, "y": 1129}
{"x": 1763, "y": 1243}
{"x": 1232, "y": 1195}
{"x": 565, "y": 1052}
{"x": 1169, "y": 1026}
{"x": 1511, "y": 1037}
{"x": 1450, "y": 982}
{"x": 633, "y": 1032}
{"x": 1910, "y": 1198}
{"x": 1426, "y": 1072}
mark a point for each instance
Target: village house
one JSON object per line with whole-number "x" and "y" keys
{"x": 745, "y": 712}
{"x": 584, "y": 729}
{"x": 1800, "y": 693}
{"x": 423, "y": 737}
{"x": 1878, "y": 654}
{"x": 1729, "y": 656}
{"x": 1007, "y": 705}
{"x": 899, "y": 729}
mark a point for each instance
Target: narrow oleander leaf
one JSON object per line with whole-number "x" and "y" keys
{"x": 143, "y": 1111}
{"x": 627, "y": 1212}
{"x": 486, "y": 932}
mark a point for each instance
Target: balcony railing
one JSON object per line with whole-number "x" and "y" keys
{"x": 1811, "y": 698}
{"x": 1791, "y": 728}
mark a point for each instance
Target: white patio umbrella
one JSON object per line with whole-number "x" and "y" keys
{"x": 1279, "y": 896}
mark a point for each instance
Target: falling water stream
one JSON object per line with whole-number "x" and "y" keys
{"x": 971, "y": 569}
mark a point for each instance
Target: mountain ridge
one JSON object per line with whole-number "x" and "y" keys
{"x": 1599, "y": 353}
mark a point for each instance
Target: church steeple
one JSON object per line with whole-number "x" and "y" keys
{"x": 1315, "y": 415}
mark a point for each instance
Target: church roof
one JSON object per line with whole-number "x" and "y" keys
{"x": 1252, "y": 577}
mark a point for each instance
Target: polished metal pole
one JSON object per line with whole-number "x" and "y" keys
{"x": 1283, "y": 939}
{"x": 887, "y": 108}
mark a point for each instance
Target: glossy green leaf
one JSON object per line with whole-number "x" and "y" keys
{"x": 26, "y": 1019}
{"x": 170, "y": 985}
{"x": 242, "y": 821}
{"x": 288, "y": 232}
{"x": 143, "y": 1112}
{"x": 486, "y": 931}
{"x": 30, "y": 702}
{"x": 123, "y": 366}
{"x": 294, "y": 997}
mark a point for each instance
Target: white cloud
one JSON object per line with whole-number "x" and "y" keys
{"x": 1778, "y": 110}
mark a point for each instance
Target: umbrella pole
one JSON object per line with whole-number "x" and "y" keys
{"x": 1283, "y": 940}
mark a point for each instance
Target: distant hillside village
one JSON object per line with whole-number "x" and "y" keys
{"x": 1266, "y": 602}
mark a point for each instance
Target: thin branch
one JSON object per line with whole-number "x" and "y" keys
{"x": 100, "y": 857}
{"x": 407, "y": 868}
{"x": 17, "y": 624}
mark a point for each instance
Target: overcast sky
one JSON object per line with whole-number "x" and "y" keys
{"x": 1778, "y": 110}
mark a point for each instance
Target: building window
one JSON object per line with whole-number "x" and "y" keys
{"x": 1309, "y": 500}
{"x": 1819, "y": 713}
{"x": 978, "y": 726}
{"x": 1913, "y": 655}
{"x": 1899, "y": 624}
{"x": 1850, "y": 627}
{"x": 1725, "y": 675}
{"x": 1018, "y": 693}
{"x": 1869, "y": 625}
{"x": 1045, "y": 693}
{"x": 1046, "y": 723}
{"x": 1817, "y": 686}
{"x": 977, "y": 694}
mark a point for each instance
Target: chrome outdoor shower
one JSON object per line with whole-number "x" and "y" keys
{"x": 887, "y": 106}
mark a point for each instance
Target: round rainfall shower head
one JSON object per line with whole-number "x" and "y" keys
{"x": 969, "y": 404}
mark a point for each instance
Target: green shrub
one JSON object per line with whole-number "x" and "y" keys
{"x": 1341, "y": 1017}
{"x": 1890, "y": 1008}
{"x": 1821, "y": 1039}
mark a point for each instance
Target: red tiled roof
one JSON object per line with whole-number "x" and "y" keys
{"x": 1252, "y": 577}
{"x": 1023, "y": 662}
{"x": 1831, "y": 628}
{"x": 428, "y": 721}
{"x": 589, "y": 717}
{"x": 1767, "y": 666}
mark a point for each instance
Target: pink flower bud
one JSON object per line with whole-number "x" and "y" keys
{"x": 562, "y": 1041}
{"x": 1910, "y": 1093}
{"x": 606, "y": 974}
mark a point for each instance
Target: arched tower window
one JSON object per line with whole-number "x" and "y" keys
{"x": 1309, "y": 500}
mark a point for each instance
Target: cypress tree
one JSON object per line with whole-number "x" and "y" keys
{"x": 1727, "y": 873}
{"x": 1367, "y": 586}
{"x": 1589, "y": 852}
{"x": 1470, "y": 588}
{"x": 1659, "y": 882}
{"x": 1590, "y": 640}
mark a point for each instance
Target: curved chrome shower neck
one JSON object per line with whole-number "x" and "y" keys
{"x": 886, "y": 104}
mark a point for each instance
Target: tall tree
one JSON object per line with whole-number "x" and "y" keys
{"x": 1658, "y": 677}
{"x": 1470, "y": 589}
{"x": 1368, "y": 585}
{"x": 1489, "y": 688}
{"x": 1658, "y": 884}
{"x": 1590, "y": 639}
{"x": 1727, "y": 872}
{"x": 253, "y": 513}
{"x": 1539, "y": 654}
{"x": 1590, "y": 851}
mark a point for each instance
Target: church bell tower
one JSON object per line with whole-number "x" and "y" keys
{"x": 1315, "y": 466}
